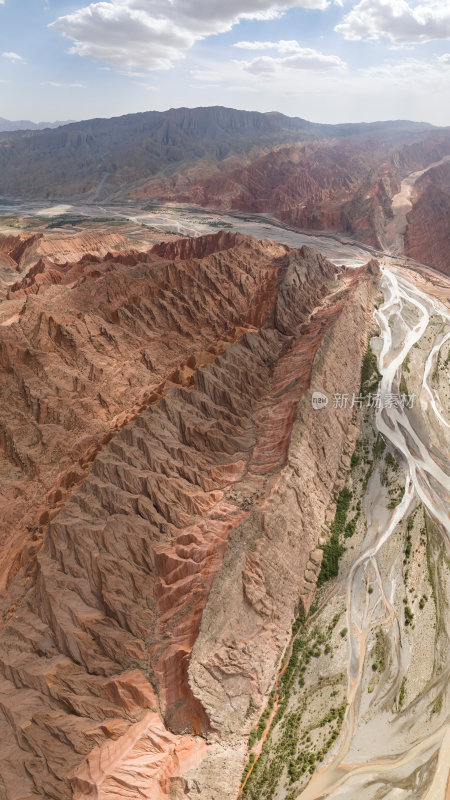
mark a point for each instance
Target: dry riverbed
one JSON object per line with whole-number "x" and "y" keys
{"x": 318, "y": 745}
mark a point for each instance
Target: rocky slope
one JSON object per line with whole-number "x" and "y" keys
{"x": 13, "y": 248}
{"x": 76, "y": 159}
{"x": 428, "y": 233}
{"x": 31, "y": 258}
{"x": 165, "y": 482}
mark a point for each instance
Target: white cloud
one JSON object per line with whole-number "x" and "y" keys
{"x": 410, "y": 69}
{"x": 56, "y": 85}
{"x": 153, "y": 34}
{"x": 281, "y": 46}
{"x": 204, "y": 86}
{"x": 12, "y": 56}
{"x": 309, "y": 59}
{"x": 445, "y": 59}
{"x": 292, "y": 57}
{"x": 401, "y": 21}
{"x": 306, "y": 73}
{"x": 130, "y": 74}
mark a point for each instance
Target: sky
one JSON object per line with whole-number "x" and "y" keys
{"x": 323, "y": 60}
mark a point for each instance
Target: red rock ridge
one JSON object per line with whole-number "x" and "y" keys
{"x": 325, "y": 186}
{"x": 427, "y": 236}
{"x": 154, "y": 409}
{"x": 13, "y": 247}
{"x": 28, "y": 260}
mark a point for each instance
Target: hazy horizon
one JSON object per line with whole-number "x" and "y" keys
{"x": 324, "y": 61}
{"x": 231, "y": 108}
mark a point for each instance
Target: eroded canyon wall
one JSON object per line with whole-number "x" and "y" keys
{"x": 427, "y": 237}
{"x": 165, "y": 484}
{"x": 344, "y": 185}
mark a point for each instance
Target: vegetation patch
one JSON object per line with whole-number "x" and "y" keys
{"x": 356, "y": 455}
{"x": 64, "y": 220}
{"x": 379, "y": 447}
{"x": 370, "y": 375}
{"x": 379, "y": 665}
{"x": 409, "y": 616}
{"x": 290, "y": 753}
{"x": 408, "y": 545}
{"x": 396, "y": 496}
{"x": 333, "y": 549}
{"x": 429, "y": 564}
{"x": 403, "y": 386}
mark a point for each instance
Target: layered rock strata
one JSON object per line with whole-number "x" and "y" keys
{"x": 46, "y": 256}
{"x": 165, "y": 482}
{"x": 344, "y": 184}
{"x": 427, "y": 236}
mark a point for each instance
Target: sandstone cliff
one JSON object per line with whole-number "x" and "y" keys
{"x": 165, "y": 483}
{"x": 427, "y": 236}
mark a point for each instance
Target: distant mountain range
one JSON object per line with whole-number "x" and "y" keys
{"x": 100, "y": 157}
{"x": 27, "y": 125}
{"x": 314, "y": 176}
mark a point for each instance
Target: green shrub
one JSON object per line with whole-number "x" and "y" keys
{"x": 354, "y": 460}
{"x": 369, "y": 371}
{"x": 379, "y": 446}
{"x": 333, "y": 549}
{"x": 252, "y": 738}
{"x": 409, "y": 616}
{"x": 390, "y": 461}
{"x": 350, "y": 528}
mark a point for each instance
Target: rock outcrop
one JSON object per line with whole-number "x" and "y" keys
{"x": 13, "y": 248}
{"x": 50, "y": 254}
{"x": 165, "y": 482}
{"x": 427, "y": 236}
{"x": 327, "y": 186}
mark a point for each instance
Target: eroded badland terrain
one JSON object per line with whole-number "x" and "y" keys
{"x": 210, "y": 587}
